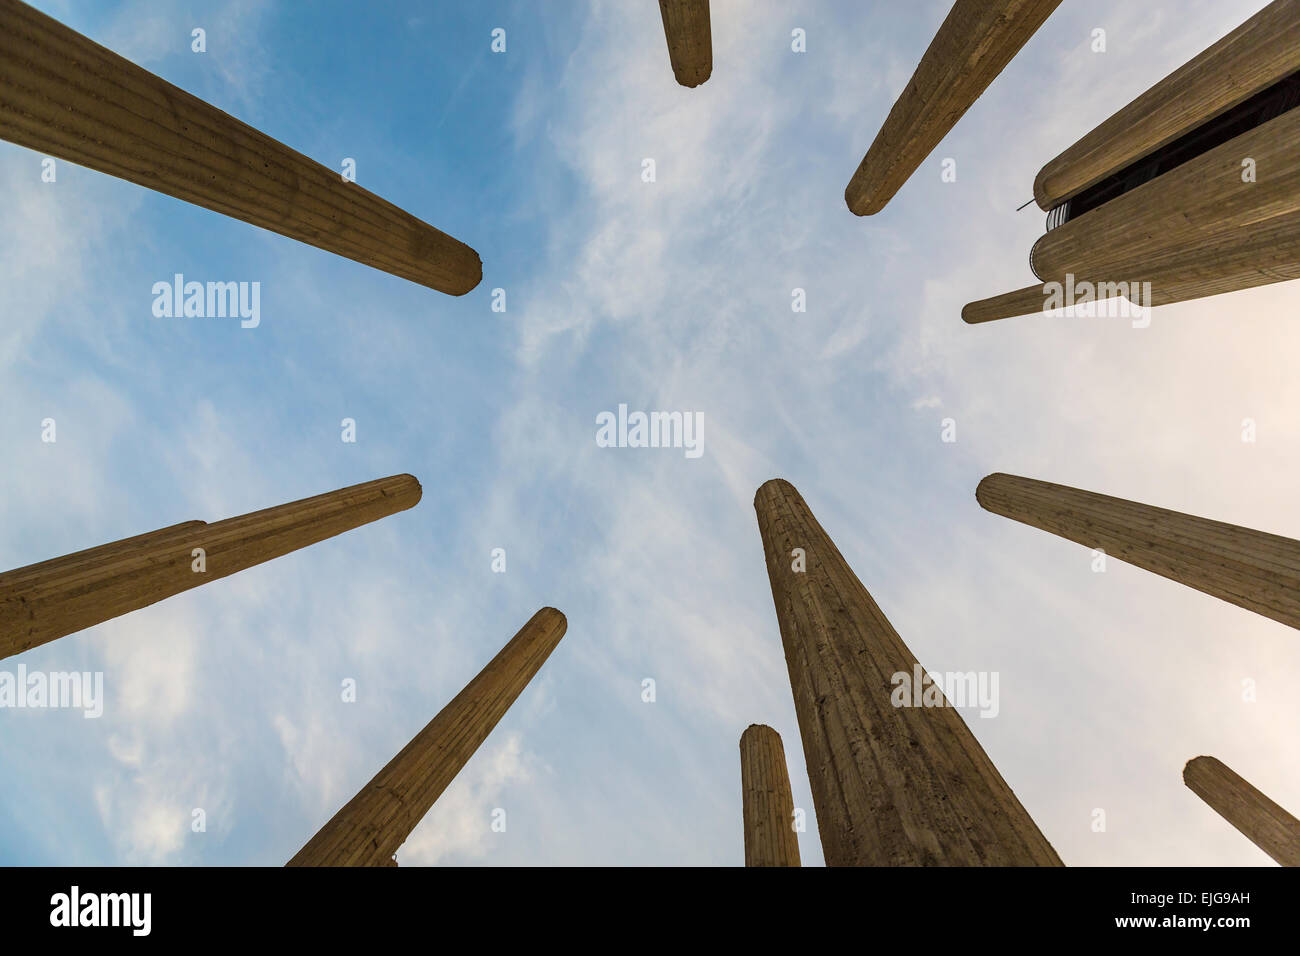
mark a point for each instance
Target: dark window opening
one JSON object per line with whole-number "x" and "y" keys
{"x": 1265, "y": 105}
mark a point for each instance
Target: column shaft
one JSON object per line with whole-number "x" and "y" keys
{"x": 1259, "y": 53}
{"x": 1027, "y": 301}
{"x": 1260, "y": 256}
{"x": 374, "y": 823}
{"x": 767, "y": 804}
{"x": 690, "y": 39}
{"x": 1263, "y": 822}
{"x": 1252, "y": 569}
{"x": 97, "y": 555}
{"x": 906, "y": 785}
{"x": 1187, "y": 218}
{"x": 45, "y": 601}
{"x": 974, "y": 44}
{"x": 67, "y": 96}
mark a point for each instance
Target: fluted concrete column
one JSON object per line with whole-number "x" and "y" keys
{"x": 41, "y": 602}
{"x": 974, "y": 44}
{"x": 100, "y": 553}
{"x": 1186, "y": 217}
{"x": 690, "y": 39}
{"x": 893, "y": 786}
{"x": 67, "y": 96}
{"x": 1259, "y": 53}
{"x": 374, "y": 823}
{"x": 1195, "y": 231}
{"x": 1027, "y": 301}
{"x": 1251, "y": 569}
{"x": 1263, "y": 822}
{"x": 767, "y": 803}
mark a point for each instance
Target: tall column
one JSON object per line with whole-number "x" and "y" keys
{"x": 1259, "y": 53}
{"x": 1263, "y": 822}
{"x": 1198, "y": 230}
{"x": 96, "y": 555}
{"x": 42, "y": 602}
{"x": 767, "y": 804}
{"x": 893, "y": 785}
{"x": 1027, "y": 301}
{"x": 374, "y": 823}
{"x": 690, "y": 39}
{"x": 974, "y": 44}
{"x": 1251, "y": 569}
{"x": 65, "y": 95}
{"x": 1188, "y": 217}
{"x": 1270, "y": 254}
{"x": 1267, "y": 253}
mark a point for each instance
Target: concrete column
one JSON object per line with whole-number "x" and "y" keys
{"x": 1027, "y": 301}
{"x": 1242, "y": 260}
{"x": 767, "y": 804}
{"x": 66, "y": 96}
{"x": 893, "y": 785}
{"x": 1259, "y": 53}
{"x": 1185, "y": 218}
{"x": 1263, "y": 822}
{"x": 690, "y": 39}
{"x": 374, "y": 823}
{"x": 96, "y": 555}
{"x": 1195, "y": 231}
{"x": 1251, "y": 569}
{"x": 974, "y": 44}
{"x": 45, "y": 601}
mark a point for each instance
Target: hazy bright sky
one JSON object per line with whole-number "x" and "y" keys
{"x": 673, "y": 295}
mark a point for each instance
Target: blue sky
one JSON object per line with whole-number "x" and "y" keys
{"x": 672, "y": 295}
